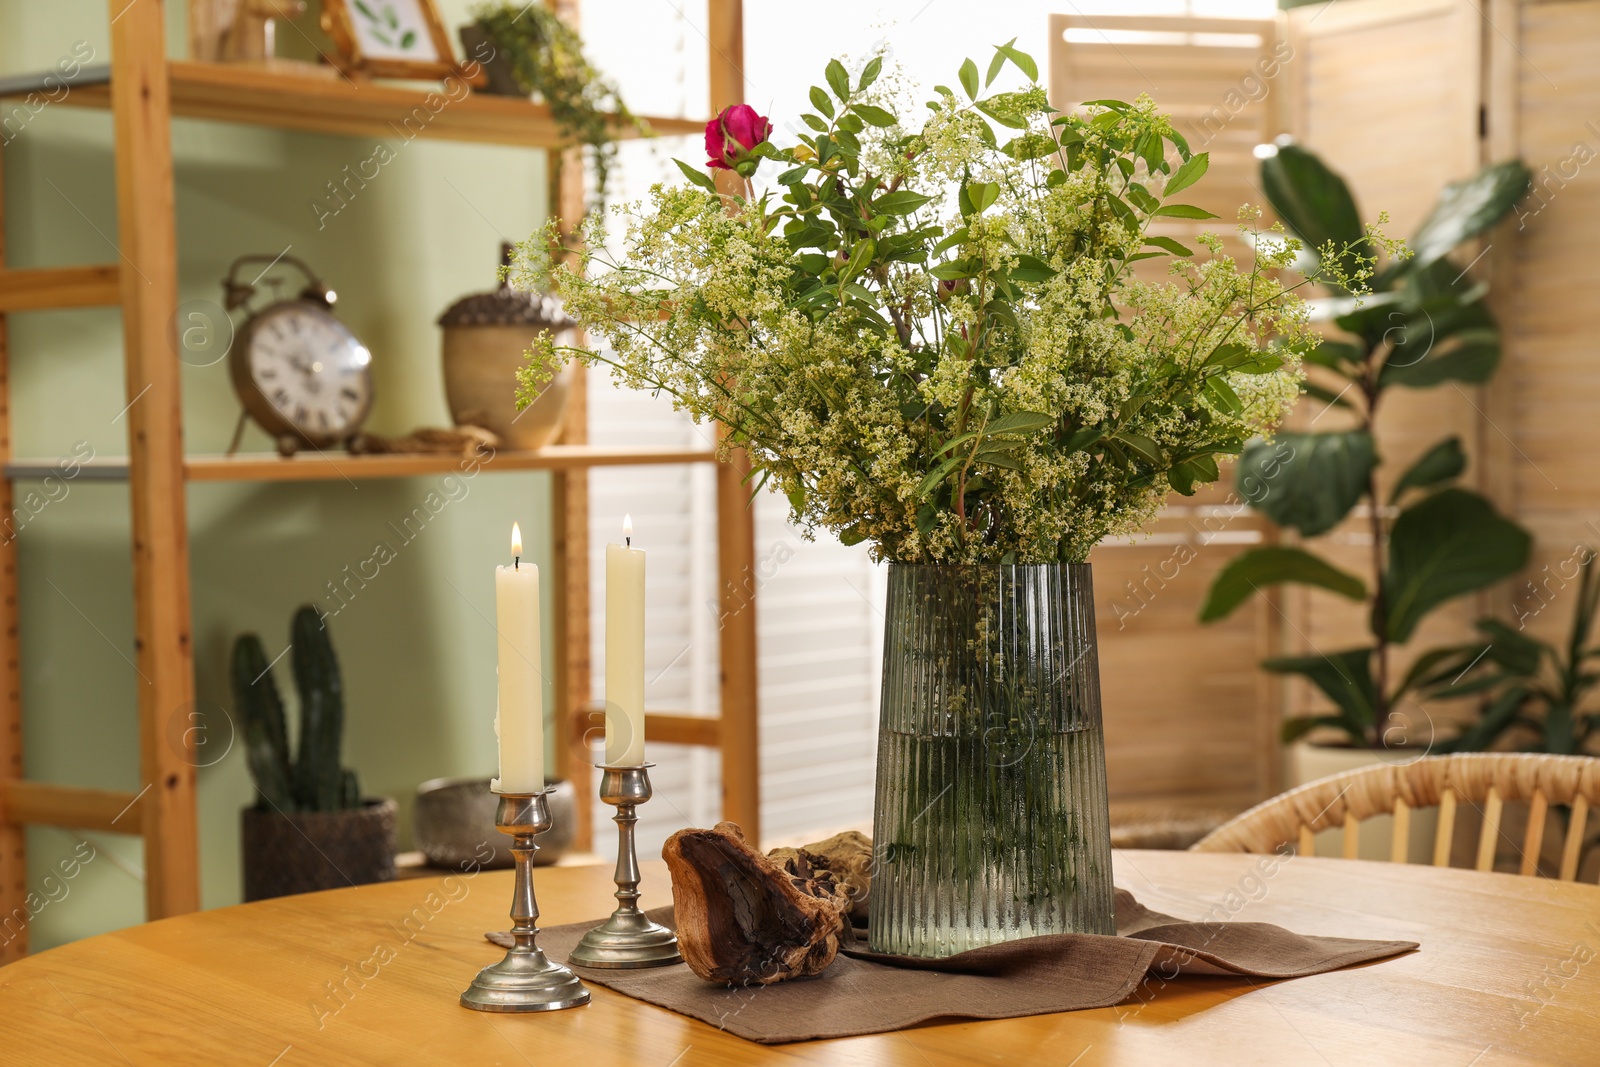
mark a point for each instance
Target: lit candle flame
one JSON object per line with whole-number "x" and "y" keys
{"x": 516, "y": 540}
{"x": 627, "y": 528}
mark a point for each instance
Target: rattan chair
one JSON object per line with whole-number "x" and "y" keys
{"x": 1485, "y": 779}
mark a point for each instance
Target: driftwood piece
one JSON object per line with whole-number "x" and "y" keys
{"x": 743, "y": 919}
{"x": 465, "y": 441}
{"x": 844, "y": 859}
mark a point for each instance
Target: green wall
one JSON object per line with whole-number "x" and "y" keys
{"x": 415, "y": 643}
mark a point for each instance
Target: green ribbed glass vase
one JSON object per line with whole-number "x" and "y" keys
{"x": 990, "y": 822}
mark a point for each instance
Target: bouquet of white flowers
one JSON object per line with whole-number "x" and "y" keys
{"x": 928, "y": 334}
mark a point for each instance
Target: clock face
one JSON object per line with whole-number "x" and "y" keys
{"x": 309, "y": 374}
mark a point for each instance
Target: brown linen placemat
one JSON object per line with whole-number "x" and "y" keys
{"x": 866, "y": 993}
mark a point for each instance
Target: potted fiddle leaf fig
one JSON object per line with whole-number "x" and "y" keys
{"x": 310, "y": 827}
{"x": 1423, "y": 325}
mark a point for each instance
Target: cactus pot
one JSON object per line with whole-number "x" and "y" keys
{"x": 303, "y": 851}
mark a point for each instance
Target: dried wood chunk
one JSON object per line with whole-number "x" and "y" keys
{"x": 743, "y": 919}
{"x": 844, "y": 859}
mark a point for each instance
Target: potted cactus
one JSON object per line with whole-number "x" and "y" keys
{"x": 309, "y": 828}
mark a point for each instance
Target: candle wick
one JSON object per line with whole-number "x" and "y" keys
{"x": 516, "y": 563}
{"x": 629, "y": 541}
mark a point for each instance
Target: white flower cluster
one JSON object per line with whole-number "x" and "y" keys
{"x": 936, "y": 341}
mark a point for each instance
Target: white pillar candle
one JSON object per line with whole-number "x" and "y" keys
{"x": 624, "y": 652}
{"x": 519, "y": 717}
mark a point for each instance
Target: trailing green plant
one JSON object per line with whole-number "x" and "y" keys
{"x": 933, "y": 339}
{"x": 1423, "y": 324}
{"x": 546, "y": 59}
{"x": 315, "y": 779}
{"x": 1539, "y": 693}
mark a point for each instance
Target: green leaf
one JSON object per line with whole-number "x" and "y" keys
{"x": 1336, "y": 355}
{"x": 1467, "y": 208}
{"x": 408, "y": 39}
{"x": 860, "y": 256}
{"x": 1312, "y": 200}
{"x": 1082, "y": 439}
{"x": 1307, "y": 481}
{"x": 1182, "y": 211}
{"x": 1268, "y": 565}
{"x": 1472, "y": 360}
{"x": 982, "y": 194}
{"x": 1445, "y": 546}
{"x": 1170, "y": 245}
{"x": 1222, "y": 396}
{"x": 1141, "y": 198}
{"x": 697, "y": 176}
{"x": 1441, "y": 665}
{"x": 851, "y": 536}
{"x": 1022, "y": 422}
{"x": 995, "y": 66}
{"x": 998, "y": 458}
{"x": 969, "y": 79}
{"x": 875, "y": 116}
{"x": 1186, "y": 474}
{"x": 1345, "y": 677}
{"x": 938, "y": 475}
{"x": 1032, "y": 269}
{"x": 838, "y": 79}
{"x": 1023, "y": 60}
{"x": 1513, "y": 649}
{"x": 950, "y": 240}
{"x": 899, "y": 202}
{"x": 953, "y": 271}
{"x": 1296, "y": 728}
{"x": 1495, "y": 719}
{"x": 1142, "y": 446}
{"x": 820, "y": 101}
{"x": 1188, "y": 174}
{"x": 1007, "y": 117}
{"x": 1327, "y": 396}
{"x": 870, "y": 72}
{"x": 1441, "y": 463}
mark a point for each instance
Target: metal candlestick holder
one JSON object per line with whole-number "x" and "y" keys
{"x": 628, "y": 938}
{"x": 526, "y": 980}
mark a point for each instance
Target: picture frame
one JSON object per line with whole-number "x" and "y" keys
{"x": 390, "y": 38}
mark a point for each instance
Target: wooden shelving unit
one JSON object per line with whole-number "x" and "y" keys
{"x": 144, "y": 90}
{"x": 325, "y": 466}
{"x": 326, "y": 102}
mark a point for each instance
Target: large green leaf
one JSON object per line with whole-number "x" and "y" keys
{"x": 1346, "y": 678}
{"x": 1444, "y": 546}
{"x": 1495, "y": 720}
{"x": 1308, "y": 481}
{"x": 1472, "y": 358}
{"x": 1273, "y": 565}
{"x": 1468, "y": 208}
{"x": 1312, "y": 200}
{"x": 1437, "y": 465}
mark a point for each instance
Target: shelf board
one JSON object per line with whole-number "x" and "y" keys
{"x": 331, "y": 466}
{"x": 322, "y": 101}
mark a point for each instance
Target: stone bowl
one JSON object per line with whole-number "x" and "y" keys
{"x": 452, "y": 824}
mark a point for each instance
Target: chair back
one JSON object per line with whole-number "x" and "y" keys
{"x": 1486, "y": 780}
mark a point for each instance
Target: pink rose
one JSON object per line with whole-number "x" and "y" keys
{"x": 733, "y": 135}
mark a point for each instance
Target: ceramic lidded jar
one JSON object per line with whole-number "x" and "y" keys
{"x": 486, "y": 338}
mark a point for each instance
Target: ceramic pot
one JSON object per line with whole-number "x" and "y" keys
{"x": 486, "y": 340}
{"x": 452, "y": 823}
{"x": 304, "y": 851}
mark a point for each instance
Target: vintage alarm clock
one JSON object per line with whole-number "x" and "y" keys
{"x": 300, "y": 373}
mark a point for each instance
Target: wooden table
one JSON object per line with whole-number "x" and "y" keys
{"x": 1507, "y": 974}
